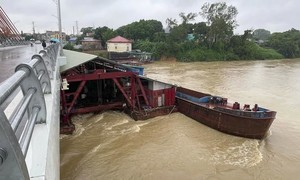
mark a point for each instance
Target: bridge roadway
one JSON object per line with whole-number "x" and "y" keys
{"x": 10, "y": 57}
{"x": 42, "y": 159}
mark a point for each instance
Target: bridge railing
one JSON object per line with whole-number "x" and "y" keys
{"x": 33, "y": 78}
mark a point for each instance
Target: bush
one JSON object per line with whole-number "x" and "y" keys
{"x": 69, "y": 46}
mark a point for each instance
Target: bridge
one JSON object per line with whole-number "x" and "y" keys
{"x": 39, "y": 98}
{"x": 9, "y": 35}
{"x": 29, "y": 128}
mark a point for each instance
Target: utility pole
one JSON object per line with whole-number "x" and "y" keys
{"x": 77, "y": 28}
{"x": 33, "y": 29}
{"x": 73, "y": 30}
{"x": 59, "y": 20}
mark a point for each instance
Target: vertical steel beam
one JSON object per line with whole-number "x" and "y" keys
{"x": 142, "y": 89}
{"x": 123, "y": 92}
{"x": 78, "y": 91}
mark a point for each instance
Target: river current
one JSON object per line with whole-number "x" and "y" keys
{"x": 111, "y": 145}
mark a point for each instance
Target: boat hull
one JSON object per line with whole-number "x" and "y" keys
{"x": 249, "y": 127}
{"x": 147, "y": 114}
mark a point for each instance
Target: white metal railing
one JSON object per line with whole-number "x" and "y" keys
{"x": 33, "y": 79}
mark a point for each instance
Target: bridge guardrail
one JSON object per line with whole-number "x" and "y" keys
{"x": 16, "y": 131}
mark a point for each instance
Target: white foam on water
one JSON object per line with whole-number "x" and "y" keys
{"x": 246, "y": 154}
{"x": 133, "y": 129}
{"x": 143, "y": 124}
{"x": 269, "y": 133}
{"x": 81, "y": 117}
{"x": 79, "y": 129}
{"x": 99, "y": 118}
{"x": 95, "y": 149}
{"x": 110, "y": 126}
{"x": 63, "y": 136}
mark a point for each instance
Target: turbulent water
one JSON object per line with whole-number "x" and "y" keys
{"x": 113, "y": 146}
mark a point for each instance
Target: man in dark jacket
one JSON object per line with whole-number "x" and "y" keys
{"x": 44, "y": 44}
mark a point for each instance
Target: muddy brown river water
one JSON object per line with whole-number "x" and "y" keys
{"x": 113, "y": 146}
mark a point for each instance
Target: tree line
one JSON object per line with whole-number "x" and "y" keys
{"x": 200, "y": 41}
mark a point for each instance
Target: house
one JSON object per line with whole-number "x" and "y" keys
{"x": 54, "y": 34}
{"x": 73, "y": 40}
{"x": 89, "y": 43}
{"x": 119, "y": 44}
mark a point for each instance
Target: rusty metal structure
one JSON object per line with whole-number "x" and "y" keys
{"x": 101, "y": 84}
{"x": 9, "y": 34}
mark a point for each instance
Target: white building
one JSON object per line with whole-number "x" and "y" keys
{"x": 119, "y": 44}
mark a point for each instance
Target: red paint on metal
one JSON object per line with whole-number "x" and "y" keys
{"x": 116, "y": 105}
{"x": 96, "y": 76}
{"x": 153, "y": 96}
{"x": 133, "y": 90}
{"x": 142, "y": 90}
{"x": 79, "y": 89}
{"x": 123, "y": 92}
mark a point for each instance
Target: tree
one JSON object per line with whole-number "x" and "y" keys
{"x": 142, "y": 30}
{"x": 286, "y": 43}
{"x": 86, "y": 30}
{"x": 221, "y": 21}
{"x": 171, "y": 23}
{"x": 187, "y": 18}
{"x": 179, "y": 32}
{"x": 104, "y": 34}
{"x": 261, "y": 34}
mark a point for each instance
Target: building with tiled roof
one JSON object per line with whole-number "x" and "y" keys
{"x": 119, "y": 44}
{"x": 89, "y": 43}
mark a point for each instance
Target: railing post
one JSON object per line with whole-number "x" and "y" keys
{"x": 16, "y": 132}
{"x": 13, "y": 164}
{"x": 48, "y": 62}
{"x": 37, "y": 100}
{"x": 41, "y": 69}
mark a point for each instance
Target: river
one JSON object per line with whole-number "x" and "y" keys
{"x": 113, "y": 146}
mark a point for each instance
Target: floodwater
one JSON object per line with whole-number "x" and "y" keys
{"x": 113, "y": 146}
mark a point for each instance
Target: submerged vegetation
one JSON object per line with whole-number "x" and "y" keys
{"x": 204, "y": 41}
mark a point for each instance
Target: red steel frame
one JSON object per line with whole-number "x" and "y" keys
{"x": 131, "y": 96}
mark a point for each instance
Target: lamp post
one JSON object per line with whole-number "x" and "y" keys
{"x": 57, "y": 2}
{"x": 59, "y": 20}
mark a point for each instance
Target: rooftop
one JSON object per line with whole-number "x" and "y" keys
{"x": 119, "y": 39}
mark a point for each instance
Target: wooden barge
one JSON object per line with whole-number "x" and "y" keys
{"x": 217, "y": 113}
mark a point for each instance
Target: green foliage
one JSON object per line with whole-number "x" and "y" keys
{"x": 221, "y": 19}
{"x": 142, "y": 30}
{"x": 104, "y": 34}
{"x": 286, "y": 43}
{"x": 27, "y": 37}
{"x": 86, "y": 30}
{"x": 157, "y": 49}
{"x": 68, "y": 46}
{"x": 212, "y": 40}
{"x": 187, "y": 18}
{"x": 103, "y": 54}
{"x": 250, "y": 50}
{"x": 67, "y": 38}
{"x": 178, "y": 33}
{"x": 261, "y": 34}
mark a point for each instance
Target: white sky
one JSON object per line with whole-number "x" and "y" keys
{"x": 273, "y": 15}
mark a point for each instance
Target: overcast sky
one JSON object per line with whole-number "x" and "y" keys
{"x": 273, "y": 15}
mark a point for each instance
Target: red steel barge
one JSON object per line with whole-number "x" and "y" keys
{"x": 99, "y": 84}
{"x": 217, "y": 113}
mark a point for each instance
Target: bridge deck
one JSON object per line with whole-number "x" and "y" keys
{"x": 10, "y": 57}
